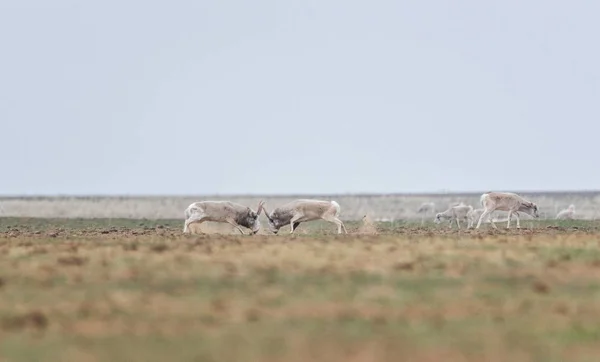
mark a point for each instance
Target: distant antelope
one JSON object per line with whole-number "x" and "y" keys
{"x": 425, "y": 209}
{"x": 566, "y": 213}
{"x": 455, "y": 213}
{"x": 506, "y": 201}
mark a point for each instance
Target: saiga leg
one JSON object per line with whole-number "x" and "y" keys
{"x": 340, "y": 225}
{"x": 232, "y": 222}
{"x": 338, "y": 222}
{"x": 294, "y": 223}
{"x": 483, "y": 214}
{"x": 193, "y": 219}
{"x": 492, "y": 219}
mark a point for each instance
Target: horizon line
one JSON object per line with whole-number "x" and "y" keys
{"x": 295, "y": 195}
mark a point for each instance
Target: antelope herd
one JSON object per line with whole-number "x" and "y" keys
{"x": 304, "y": 210}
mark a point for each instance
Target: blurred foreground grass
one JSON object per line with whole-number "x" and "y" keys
{"x": 419, "y": 294}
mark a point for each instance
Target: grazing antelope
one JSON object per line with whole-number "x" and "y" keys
{"x": 506, "y": 201}
{"x": 456, "y": 212}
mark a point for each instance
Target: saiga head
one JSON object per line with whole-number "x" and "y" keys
{"x": 274, "y": 224}
{"x": 530, "y": 208}
{"x": 252, "y": 218}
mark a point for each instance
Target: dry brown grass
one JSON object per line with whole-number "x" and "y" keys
{"x": 121, "y": 294}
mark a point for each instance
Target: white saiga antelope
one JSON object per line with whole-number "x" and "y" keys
{"x": 506, "y": 201}
{"x": 566, "y": 213}
{"x": 302, "y": 210}
{"x": 455, "y": 212}
{"x": 425, "y": 209}
{"x": 224, "y": 212}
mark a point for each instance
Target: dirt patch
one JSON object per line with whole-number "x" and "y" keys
{"x": 367, "y": 227}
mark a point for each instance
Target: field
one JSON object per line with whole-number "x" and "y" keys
{"x": 353, "y": 207}
{"x": 122, "y": 290}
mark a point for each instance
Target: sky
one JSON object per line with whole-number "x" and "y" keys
{"x": 298, "y": 97}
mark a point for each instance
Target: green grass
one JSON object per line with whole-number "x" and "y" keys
{"x": 7, "y": 223}
{"x": 43, "y": 224}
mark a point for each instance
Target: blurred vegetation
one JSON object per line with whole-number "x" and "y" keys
{"x": 122, "y": 290}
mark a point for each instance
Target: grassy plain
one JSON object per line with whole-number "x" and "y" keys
{"x": 123, "y": 290}
{"x": 353, "y": 207}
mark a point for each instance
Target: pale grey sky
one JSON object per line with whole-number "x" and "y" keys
{"x": 316, "y": 96}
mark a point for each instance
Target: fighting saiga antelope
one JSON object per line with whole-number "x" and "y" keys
{"x": 302, "y": 210}
{"x": 224, "y": 212}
